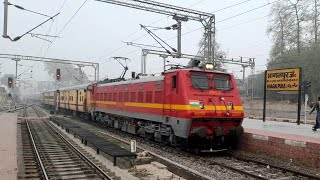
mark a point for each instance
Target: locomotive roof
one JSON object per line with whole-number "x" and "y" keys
{"x": 197, "y": 69}
{"x": 154, "y": 78}
{"x": 145, "y": 79}
{"x": 82, "y": 86}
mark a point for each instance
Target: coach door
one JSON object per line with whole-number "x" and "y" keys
{"x": 171, "y": 85}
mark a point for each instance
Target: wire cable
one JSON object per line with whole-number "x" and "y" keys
{"x": 24, "y": 9}
{"x": 65, "y": 25}
{"x": 198, "y": 2}
{"x": 237, "y": 15}
{"x": 19, "y": 37}
{"x": 72, "y": 74}
{"x": 234, "y": 5}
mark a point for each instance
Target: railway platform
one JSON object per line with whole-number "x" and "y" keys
{"x": 282, "y": 140}
{"x": 8, "y": 146}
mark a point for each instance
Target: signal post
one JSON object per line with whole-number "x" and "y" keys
{"x": 58, "y": 78}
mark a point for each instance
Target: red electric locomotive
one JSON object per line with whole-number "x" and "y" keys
{"x": 196, "y": 108}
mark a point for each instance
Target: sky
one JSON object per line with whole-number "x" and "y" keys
{"x": 97, "y": 32}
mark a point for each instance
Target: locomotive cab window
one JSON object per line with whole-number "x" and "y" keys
{"x": 222, "y": 82}
{"x": 174, "y": 82}
{"x": 200, "y": 81}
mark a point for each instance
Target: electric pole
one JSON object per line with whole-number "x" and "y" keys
{"x": 16, "y": 60}
{"x": 5, "y": 19}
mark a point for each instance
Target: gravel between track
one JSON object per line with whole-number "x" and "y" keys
{"x": 200, "y": 164}
{"x": 193, "y": 162}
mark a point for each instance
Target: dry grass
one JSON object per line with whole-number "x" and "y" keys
{"x": 278, "y": 109}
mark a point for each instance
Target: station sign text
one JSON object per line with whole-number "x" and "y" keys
{"x": 283, "y": 80}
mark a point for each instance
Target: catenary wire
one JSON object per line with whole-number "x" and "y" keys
{"x": 65, "y": 26}
{"x": 121, "y": 47}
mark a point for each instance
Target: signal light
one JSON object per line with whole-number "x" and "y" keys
{"x": 10, "y": 82}
{"x": 58, "y": 75}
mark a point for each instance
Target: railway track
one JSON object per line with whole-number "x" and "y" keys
{"x": 243, "y": 167}
{"x": 257, "y": 169}
{"x": 47, "y": 154}
{"x": 12, "y": 108}
{"x": 248, "y": 168}
{"x": 252, "y": 169}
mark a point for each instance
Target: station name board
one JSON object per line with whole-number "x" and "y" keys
{"x": 283, "y": 80}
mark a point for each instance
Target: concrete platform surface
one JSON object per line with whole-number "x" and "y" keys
{"x": 290, "y": 142}
{"x": 8, "y": 146}
{"x": 286, "y": 130}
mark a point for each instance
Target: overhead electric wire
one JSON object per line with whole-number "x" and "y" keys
{"x": 24, "y": 9}
{"x": 155, "y": 37}
{"x": 52, "y": 24}
{"x": 142, "y": 35}
{"x": 242, "y": 23}
{"x": 72, "y": 75}
{"x": 248, "y": 11}
{"x": 228, "y": 7}
{"x": 269, "y": 3}
{"x": 64, "y": 2}
{"x": 150, "y": 32}
{"x": 66, "y": 25}
{"x": 234, "y": 5}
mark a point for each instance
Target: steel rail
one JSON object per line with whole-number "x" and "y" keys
{"x": 277, "y": 167}
{"x": 87, "y": 159}
{"x": 73, "y": 147}
{"x": 240, "y": 171}
{"x": 37, "y": 153}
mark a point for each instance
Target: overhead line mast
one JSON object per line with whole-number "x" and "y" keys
{"x": 179, "y": 14}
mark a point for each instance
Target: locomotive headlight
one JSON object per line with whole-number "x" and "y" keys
{"x": 209, "y": 66}
{"x": 201, "y": 104}
{"x": 231, "y": 105}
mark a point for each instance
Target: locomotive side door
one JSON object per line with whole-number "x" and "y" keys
{"x": 170, "y": 93}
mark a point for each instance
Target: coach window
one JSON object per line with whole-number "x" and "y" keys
{"x": 149, "y": 96}
{"x": 120, "y": 99}
{"x": 133, "y": 97}
{"x": 174, "y": 81}
{"x": 158, "y": 97}
{"x": 126, "y": 97}
{"x": 114, "y": 96}
{"x": 110, "y": 97}
{"x": 140, "y": 97}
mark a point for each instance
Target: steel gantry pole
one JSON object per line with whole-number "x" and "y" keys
{"x": 16, "y": 60}
{"x": 178, "y": 13}
{"x": 5, "y": 19}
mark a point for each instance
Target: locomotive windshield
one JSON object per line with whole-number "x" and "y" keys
{"x": 200, "y": 81}
{"x": 222, "y": 82}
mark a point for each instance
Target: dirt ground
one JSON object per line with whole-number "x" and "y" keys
{"x": 278, "y": 109}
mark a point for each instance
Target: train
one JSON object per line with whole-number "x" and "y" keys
{"x": 196, "y": 108}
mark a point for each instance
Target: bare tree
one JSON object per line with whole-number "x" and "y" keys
{"x": 315, "y": 20}
{"x": 279, "y": 28}
{"x": 203, "y": 50}
{"x": 298, "y": 21}
{"x": 286, "y": 26}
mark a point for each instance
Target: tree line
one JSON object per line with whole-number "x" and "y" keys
{"x": 294, "y": 31}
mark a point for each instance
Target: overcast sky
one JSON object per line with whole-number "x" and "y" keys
{"x": 98, "y": 29}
